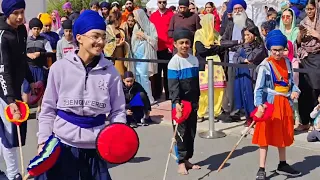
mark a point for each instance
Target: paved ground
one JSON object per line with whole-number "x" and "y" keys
{"x": 155, "y": 140}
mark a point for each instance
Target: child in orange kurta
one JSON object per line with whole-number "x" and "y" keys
{"x": 275, "y": 85}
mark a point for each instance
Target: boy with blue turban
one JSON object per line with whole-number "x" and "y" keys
{"x": 83, "y": 87}
{"x": 13, "y": 70}
{"x": 275, "y": 86}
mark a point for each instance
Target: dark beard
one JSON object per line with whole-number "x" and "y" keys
{"x": 130, "y": 9}
{"x": 186, "y": 14}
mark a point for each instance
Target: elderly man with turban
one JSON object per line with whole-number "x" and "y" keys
{"x": 275, "y": 86}
{"x": 13, "y": 70}
{"x": 233, "y": 35}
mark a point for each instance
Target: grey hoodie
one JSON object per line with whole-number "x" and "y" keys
{"x": 71, "y": 89}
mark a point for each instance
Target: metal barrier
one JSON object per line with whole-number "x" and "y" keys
{"x": 212, "y": 133}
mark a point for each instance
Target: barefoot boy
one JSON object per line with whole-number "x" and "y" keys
{"x": 183, "y": 81}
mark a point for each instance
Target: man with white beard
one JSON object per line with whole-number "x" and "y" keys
{"x": 233, "y": 35}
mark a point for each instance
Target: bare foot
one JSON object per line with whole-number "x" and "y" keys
{"x": 182, "y": 169}
{"x": 189, "y": 165}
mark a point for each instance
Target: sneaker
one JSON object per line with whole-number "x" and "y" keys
{"x": 37, "y": 115}
{"x": 224, "y": 117}
{"x": 133, "y": 125}
{"x": 287, "y": 170}
{"x": 17, "y": 177}
{"x": 261, "y": 175}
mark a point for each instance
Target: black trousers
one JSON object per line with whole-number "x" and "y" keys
{"x": 139, "y": 112}
{"x": 308, "y": 99}
{"x": 162, "y": 67}
{"x": 228, "y": 104}
{"x": 186, "y": 133}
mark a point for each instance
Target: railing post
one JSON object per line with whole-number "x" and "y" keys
{"x": 211, "y": 133}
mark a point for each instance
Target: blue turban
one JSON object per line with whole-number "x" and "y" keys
{"x": 276, "y": 38}
{"x": 8, "y": 6}
{"x": 105, "y": 4}
{"x": 229, "y": 7}
{"x": 296, "y": 11}
{"x": 87, "y": 21}
{"x": 232, "y": 3}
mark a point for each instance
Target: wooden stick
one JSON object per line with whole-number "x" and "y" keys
{"x": 26, "y": 177}
{"x": 170, "y": 151}
{"x": 236, "y": 145}
{"x": 20, "y": 149}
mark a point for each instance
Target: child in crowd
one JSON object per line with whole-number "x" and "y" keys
{"x": 66, "y": 43}
{"x": 275, "y": 85}
{"x": 75, "y": 104}
{"x": 314, "y": 135}
{"x": 137, "y": 102}
{"x": 94, "y": 5}
{"x": 183, "y": 81}
{"x": 272, "y": 14}
{"x": 268, "y": 26}
{"x": 38, "y": 49}
{"x": 51, "y": 36}
{"x": 60, "y": 30}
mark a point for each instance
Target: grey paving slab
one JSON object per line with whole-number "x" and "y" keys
{"x": 155, "y": 140}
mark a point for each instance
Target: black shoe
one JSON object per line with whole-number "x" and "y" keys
{"x": 224, "y": 117}
{"x": 148, "y": 120}
{"x": 17, "y": 177}
{"x": 133, "y": 125}
{"x": 287, "y": 170}
{"x": 261, "y": 175}
{"x": 2, "y": 173}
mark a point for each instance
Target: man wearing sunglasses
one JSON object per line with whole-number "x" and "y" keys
{"x": 161, "y": 19}
{"x": 184, "y": 20}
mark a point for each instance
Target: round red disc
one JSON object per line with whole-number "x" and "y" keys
{"x": 117, "y": 143}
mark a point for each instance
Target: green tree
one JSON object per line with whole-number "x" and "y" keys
{"x": 77, "y": 5}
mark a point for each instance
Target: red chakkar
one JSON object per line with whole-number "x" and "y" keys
{"x": 117, "y": 143}
{"x": 186, "y": 110}
{"x": 267, "y": 113}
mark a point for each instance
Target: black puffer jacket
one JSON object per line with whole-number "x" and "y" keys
{"x": 13, "y": 60}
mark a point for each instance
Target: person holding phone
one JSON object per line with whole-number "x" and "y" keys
{"x": 116, "y": 46}
{"x": 309, "y": 54}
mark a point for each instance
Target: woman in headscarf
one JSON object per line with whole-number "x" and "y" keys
{"x": 253, "y": 51}
{"x": 128, "y": 27}
{"x": 116, "y": 45}
{"x": 144, "y": 44}
{"x": 207, "y": 46}
{"x": 211, "y": 9}
{"x": 309, "y": 55}
{"x": 56, "y": 21}
{"x": 288, "y": 25}
{"x": 275, "y": 86}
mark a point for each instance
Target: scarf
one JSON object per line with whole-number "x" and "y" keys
{"x": 310, "y": 44}
{"x": 292, "y": 36}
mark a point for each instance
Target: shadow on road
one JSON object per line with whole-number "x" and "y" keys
{"x": 134, "y": 160}
{"x": 215, "y": 161}
{"x": 306, "y": 166}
